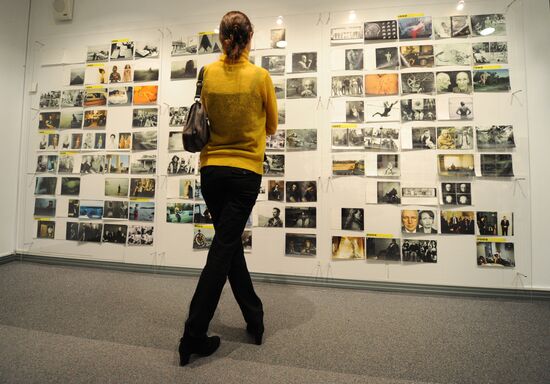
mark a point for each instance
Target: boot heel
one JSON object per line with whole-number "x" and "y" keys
{"x": 184, "y": 358}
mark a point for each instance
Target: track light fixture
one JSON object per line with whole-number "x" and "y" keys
{"x": 460, "y": 5}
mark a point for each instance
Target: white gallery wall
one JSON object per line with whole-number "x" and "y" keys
{"x": 13, "y": 41}
{"x": 100, "y": 21}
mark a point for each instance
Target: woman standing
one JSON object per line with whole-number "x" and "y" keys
{"x": 239, "y": 98}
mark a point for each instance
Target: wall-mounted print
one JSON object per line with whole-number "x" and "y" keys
{"x": 184, "y": 69}
{"x": 299, "y": 244}
{"x": 385, "y": 84}
{"x": 492, "y": 80}
{"x": 208, "y": 43}
{"x": 147, "y": 50}
{"x": 415, "y": 27}
{"x": 416, "y": 56}
{"x": 122, "y": 50}
{"x": 387, "y": 58}
{"x": 304, "y": 62}
{"x": 185, "y": 46}
{"x": 383, "y": 249}
{"x": 488, "y": 25}
{"x": 456, "y": 165}
{"x": 301, "y": 88}
{"x": 419, "y": 251}
{"x": 114, "y": 233}
{"x": 380, "y": 30}
{"x": 348, "y": 248}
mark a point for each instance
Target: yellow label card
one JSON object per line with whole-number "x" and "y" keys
{"x": 482, "y": 67}
{"x": 66, "y": 153}
{"x": 120, "y": 41}
{"x": 349, "y": 125}
{"x": 380, "y": 235}
{"x": 43, "y": 218}
{"x": 409, "y": 15}
{"x": 140, "y": 199}
{"x": 205, "y": 226}
{"x": 95, "y": 65}
{"x": 45, "y": 132}
{"x": 96, "y": 87}
{"x": 491, "y": 240}
{"x": 206, "y": 33}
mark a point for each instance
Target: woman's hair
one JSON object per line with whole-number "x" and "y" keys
{"x": 235, "y": 32}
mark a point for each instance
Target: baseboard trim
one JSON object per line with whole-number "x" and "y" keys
{"x": 448, "y": 290}
{"x": 7, "y": 258}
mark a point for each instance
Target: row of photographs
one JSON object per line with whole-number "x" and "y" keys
{"x": 421, "y": 27}
{"x": 90, "y": 141}
{"x": 114, "y": 187}
{"x": 123, "y": 49}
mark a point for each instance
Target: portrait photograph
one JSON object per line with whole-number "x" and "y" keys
{"x": 66, "y": 164}
{"x": 354, "y": 59}
{"x": 184, "y": 69}
{"x": 299, "y": 244}
{"x": 417, "y": 56}
{"x": 92, "y": 164}
{"x": 184, "y": 163}
{"x": 275, "y": 190}
{"x": 300, "y": 217}
{"x": 417, "y": 82}
{"x": 145, "y": 94}
{"x": 346, "y": 86}
{"x": 46, "y": 163}
{"x": 385, "y": 84}
{"x": 487, "y": 224}
{"x": 387, "y": 58}
{"x": 461, "y": 108}
{"x": 355, "y": 111}
{"x": 380, "y": 30}
{"x": 454, "y": 81}
{"x": 352, "y": 219}
{"x": 421, "y": 221}
{"x": 382, "y": 249}
{"x": 415, "y": 27}
{"x": 71, "y": 231}
{"x": 301, "y": 88}
{"x": 144, "y": 141}
{"x": 423, "y": 137}
{"x": 269, "y": 216}
{"x": 348, "y": 248}
{"x": 177, "y": 116}
{"x": 120, "y": 73}
{"x": 460, "y": 26}
{"x": 142, "y": 187}
{"x": 304, "y": 62}
{"x": 493, "y": 254}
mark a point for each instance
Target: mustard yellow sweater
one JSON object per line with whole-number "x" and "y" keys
{"x": 240, "y": 102}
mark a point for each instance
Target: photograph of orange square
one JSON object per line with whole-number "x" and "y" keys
{"x": 145, "y": 94}
{"x": 382, "y": 84}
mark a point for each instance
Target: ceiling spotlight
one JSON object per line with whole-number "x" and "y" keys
{"x": 281, "y": 44}
{"x": 279, "y": 20}
{"x": 487, "y": 31}
{"x": 460, "y": 5}
{"x": 352, "y": 16}
{"x": 216, "y": 30}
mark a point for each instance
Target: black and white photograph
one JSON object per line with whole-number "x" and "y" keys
{"x": 71, "y": 119}
{"x": 115, "y": 209}
{"x": 44, "y": 207}
{"x": 456, "y": 165}
{"x": 50, "y": 100}
{"x": 493, "y": 80}
{"x": 356, "y": 137}
{"x": 505, "y": 222}
{"x": 490, "y": 53}
{"x": 120, "y": 96}
{"x": 301, "y": 140}
{"x": 423, "y": 137}
{"x": 73, "y": 208}
{"x": 461, "y": 108}
{"x": 45, "y": 185}
{"x": 76, "y": 76}
{"x": 142, "y": 164}
{"x": 122, "y": 50}
{"x": 46, "y": 163}
{"x": 279, "y": 86}
{"x": 380, "y": 30}
{"x": 453, "y": 54}
{"x": 53, "y": 142}
{"x": 88, "y": 141}
{"x": 422, "y": 221}
{"x": 418, "y": 109}
{"x": 496, "y": 165}
{"x": 179, "y": 213}
{"x": 495, "y": 254}
{"x": 140, "y": 235}
{"x": 495, "y": 137}
{"x": 90, "y": 232}
{"x": 208, "y": 43}
{"x": 442, "y": 27}
{"x": 383, "y": 249}
{"x": 183, "y": 69}
{"x": 487, "y": 224}
{"x": 43, "y": 143}
{"x": 454, "y": 81}
{"x": 381, "y": 110}
{"x": 116, "y": 187}
{"x": 98, "y": 53}
{"x": 388, "y": 165}
{"x": 142, "y": 187}
{"x": 417, "y": 56}
{"x": 417, "y": 82}
{"x": 278, "y": 38}
{"x": 300, "y": 217}
{"x": 301, "y": 88}
{"x": 175, "y": 141}
{"x": 65, "y": 141}
{"x": 95, "y": 97}
{"x": 348, "y": 167}
{"x": 380, "y": 138}
{"x": 66, "y": 163}
{"x": 275, "y": 142}
{"x": 352, "y": 219}
{"x": 458, "y": 222}
{"x": 389, "y": 192}
{"x": 117, "y": 164}
{"x": 419, "y": 251}
{"x": 203, "y": 235}
{"x": 183, "y": 163}
{"x": 488, "y": 25}
{"x": 355, "y": 111}
{"x": 198, "y": 190}
{"x": 144, "y": 141}
{"x": 418, "y": 192}
{"x": 49, "y": 120}
{"x": 300, "y": 244}
{"x": 460, "y": 26}
{"x": 346, "y": 34}
{"x": 147, "y": 49}
{"x": 276, "y": 190}
{"x": 456, "y": 193}
{"x": 269, "y": 216}
{"x": 71, "y": 231}
{"x": 301, "y": 191}
{"x": 348, "y": 248}
{"x": 351, "y": 85}
{"x": 142, "y": 211}
{"x": 145, "y": 117}
{"x": 95, "y": 118}
{"x": 354, "y": 59}
{"x": 201, "y": 214}
{"x": 146, "y": 71}
{"x": 185, "y": 46}
{"x": 387, "y": 58}
{"x": 114, "y": 233}
{"x": 177, "y": 115}
{"x": 455, "y": 137}
{"x": 45, "y": 229}
{"x": 72, "y": 98}
{"x": 92, "y": 164}
{"x": 415, "y": 27}
{"x": 274, "y": 165}
{"x": 70, "y": 186}
{"x": 281, "y": 113}
{"x": 304, "y": 62}
{"x": 90, "y": 209}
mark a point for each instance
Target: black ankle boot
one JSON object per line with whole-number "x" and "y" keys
{"x": 256, "y": 332}
{"x": 201, "y": 346}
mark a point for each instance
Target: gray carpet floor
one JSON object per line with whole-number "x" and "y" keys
{"x": 81, "y": 325}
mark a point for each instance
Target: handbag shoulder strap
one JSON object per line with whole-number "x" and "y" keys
{"x": 199, "y": 85}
